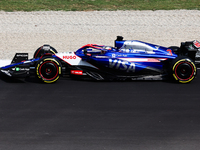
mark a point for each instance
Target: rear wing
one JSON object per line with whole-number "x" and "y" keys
{"x": 19, "y": 66}
{"x": 19, "y": 57}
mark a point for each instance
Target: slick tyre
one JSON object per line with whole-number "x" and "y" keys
{"x": 183, "y": 69}
{"x": 44, "y": 49}
{"x": 48, "y": 69}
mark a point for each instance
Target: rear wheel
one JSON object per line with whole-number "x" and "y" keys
{"x": 48, "y": 69}
{"x": 183, "y": 69}
{"x": 43, "y": 50}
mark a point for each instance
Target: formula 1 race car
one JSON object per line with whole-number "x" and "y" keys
{"x": 129, "y": 59}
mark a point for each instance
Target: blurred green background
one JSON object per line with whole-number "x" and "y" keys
{"x": 90, "y": 5}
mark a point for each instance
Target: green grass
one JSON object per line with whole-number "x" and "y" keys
{"x": 88, "y": 5}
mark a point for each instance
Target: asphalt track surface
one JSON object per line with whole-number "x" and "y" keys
{"x": 86, "y": 115}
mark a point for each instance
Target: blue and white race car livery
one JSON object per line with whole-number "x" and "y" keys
{"x": 129, "y": 59}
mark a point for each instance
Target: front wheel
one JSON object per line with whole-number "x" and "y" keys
{"x": 48, "y": 69}
{"x": 183, "y": 69}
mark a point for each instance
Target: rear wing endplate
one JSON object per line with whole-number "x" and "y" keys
{"x": 20, "y": 57}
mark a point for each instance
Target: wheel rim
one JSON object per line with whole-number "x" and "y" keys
{"x": 48, "y": 70}
{"x": 184, "y": 71}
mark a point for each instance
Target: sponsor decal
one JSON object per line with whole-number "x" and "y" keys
{"x": 69, "y": 57}
{"x": 89, "y": 54}
{"x": 21, "y": 55}
{"x": 122, "y": 65}
{"x": 17, "y": 69}
{"x": 101, "y": 56}
{"x": 77, "y": 72}
{"x": 20, "y": 69}
{"x": 137, "y": 51}
{"x": 113, "y": 55}
{"x": 169, "y": 51}
{"x": 141, "y": 59}
{"x": 196, "y": 44}
{"x": 46, "y": 47}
